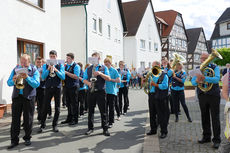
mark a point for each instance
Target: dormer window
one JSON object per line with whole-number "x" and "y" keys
{"x": 228, "y": 26}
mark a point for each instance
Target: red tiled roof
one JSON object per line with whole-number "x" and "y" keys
{"x": 169, "y": 17}
{"x": 134, "y": 12}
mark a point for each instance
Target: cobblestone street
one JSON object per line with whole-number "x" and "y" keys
{"x": 183, "y": 136}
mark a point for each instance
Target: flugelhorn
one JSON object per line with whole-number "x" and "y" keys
{"x": 177, "y": 59}
{"x": 19, "y": 83}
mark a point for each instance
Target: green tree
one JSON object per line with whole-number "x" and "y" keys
{"x": 225, "y": 53}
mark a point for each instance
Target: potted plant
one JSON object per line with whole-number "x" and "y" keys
{"x": 2, "y": 110}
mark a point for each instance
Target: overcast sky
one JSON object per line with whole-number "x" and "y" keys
{"x": 195, "y": 13}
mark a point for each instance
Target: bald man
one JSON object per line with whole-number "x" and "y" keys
{"x": 209, "y": 103}
{"x": 23, "y": 100}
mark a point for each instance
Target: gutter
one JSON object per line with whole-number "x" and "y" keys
{"x": 86, "y": 34}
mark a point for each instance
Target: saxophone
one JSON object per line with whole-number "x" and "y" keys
{"x": 93, "y": 80}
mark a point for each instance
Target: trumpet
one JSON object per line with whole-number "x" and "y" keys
{"x": 155, "y": 71}
{"x": 52, "y": 73}
{"x": 19, "y": 83}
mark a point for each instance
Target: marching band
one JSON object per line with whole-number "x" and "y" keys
{"x": 108, "y": 87}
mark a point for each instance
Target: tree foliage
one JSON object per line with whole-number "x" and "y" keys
{"x": 225, "y": 53}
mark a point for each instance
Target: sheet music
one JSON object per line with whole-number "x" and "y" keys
{"x": 61, "y": 61}
{"x": 193, "y": 73}
{"x": 21, "y": 70}
{"x": 93, "y": 60}
{"x": 51, "y": 62}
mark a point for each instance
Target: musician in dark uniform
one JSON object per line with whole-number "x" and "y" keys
{"x": 123, "y": 86}
{"x": 53, "y": 76}
{"x": 41, "y": 89}
{"x": 167, "y": 69}
{"x": 177, "y": 91}
{"x": 97, "y": 93}
{"x": 82, "y": 91}
{"x": 158, "y": 103}
{"x": 111, "y": 90}
{"x": 23, "y": 101}
{"x": 72, "y": 72}
{"x": 209, "y": 103}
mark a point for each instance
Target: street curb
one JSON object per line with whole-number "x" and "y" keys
{"x": 151, "y": 143}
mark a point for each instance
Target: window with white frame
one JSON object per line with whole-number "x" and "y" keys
{"x": 150, "y": 46}
{"x": 109, "y": 31}
{"x": 100, "y": 25}
{"x": 38, "y": 3}
{"x": 155, "y": 47}
{"x": 109, "y": 4}
{"x": 142, "y": 65}
{"x": 142, "y": 44}
{"x": 228, "y": 26}
{"x": 116, "y": 34}
{"x": 94, "y": 23}
{"x": 150, "y": 64}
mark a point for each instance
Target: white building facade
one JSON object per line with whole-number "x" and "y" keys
{"x": 27, "y": 26}
{"x": 143, "y": 46}
{"x": 92, "y": 26}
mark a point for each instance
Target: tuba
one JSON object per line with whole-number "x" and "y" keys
{"x": 155, "y": 71}
{"x": 177, "y": 59}
{"x": 19, "y": 83}
{"x": 206, "y": 71}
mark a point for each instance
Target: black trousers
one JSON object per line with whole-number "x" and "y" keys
{"x": 98, "y": 97}
{"x": 123, "y": 91}
{"x": 116, "y": 104}
{"x": 40, "y": 92}
{"x": 210, "y": 104}
{"x": 72, "y": 104}
{"x": 110, "y": 107}
{"x": 63, "y": 96}
{"x": 171, "y": 103}
{"x": 159, "y": 113}
{"x": 19, "y": 105}
{"x": 86, "y": 100}
{"x": 81, "y": 100}
{"x": 179, "y": 97}
{"x": 49, "y": 94}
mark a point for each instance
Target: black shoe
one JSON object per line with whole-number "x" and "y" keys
{"x": 106, "y": 133}
{"x": 151, "y": 132}
{"x": 110, "y": 125}
{"x": 190, "y": 120}
{"x": 73, "y": 123}
{"x": 65, "y": 122}
{"x": 12, "y": 145}
{"x": 27, "y": 142}
{"x": 204, "y": 140}
{"x": 89, "y": 132}
{"x": 163, "y": 135}
{"x": 40, "y": 130}
{"x": 216, "y": 145}
{"x": 176, "y": 120}
{"x": 49, "y": 117}
{"x": 55, "y": 129}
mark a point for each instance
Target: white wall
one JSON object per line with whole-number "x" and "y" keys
{"x": 144, "y": 33}
{"x": 20, "y": 20}
{"x": 101, "y": 43}
{"x": 73, "y": 32}
{"x": 130, "y": 51}
{"x": 223, "y": 29}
